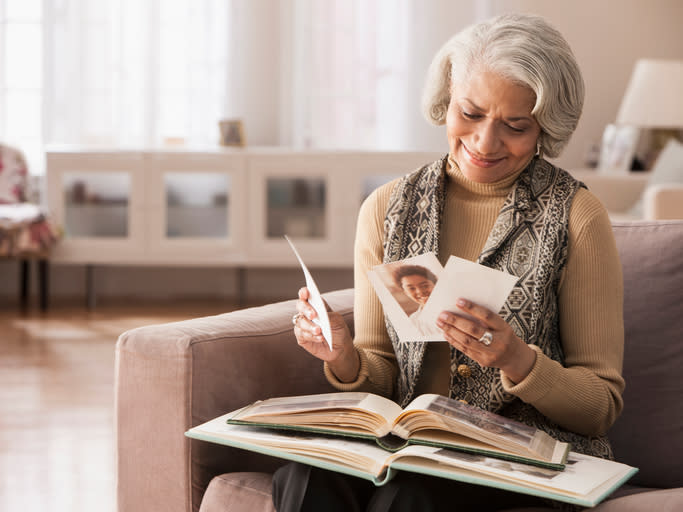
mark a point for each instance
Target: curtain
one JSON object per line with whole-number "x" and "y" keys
{"x": 135, "y": 73}
{"x": 349, "y": 63}
{"x": 21, "y": 78}
{"x": 358, "y": 69}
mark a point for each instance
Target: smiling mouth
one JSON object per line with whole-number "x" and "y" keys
{"x": 480, "y": 161}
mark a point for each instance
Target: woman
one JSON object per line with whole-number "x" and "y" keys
{"x": 417, "y": 283}
{"x": 510, "y": 92}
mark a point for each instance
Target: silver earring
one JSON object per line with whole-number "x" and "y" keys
{"x": 539, "y": 149}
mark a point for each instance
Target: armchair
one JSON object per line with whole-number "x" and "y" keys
{"x": 620, "y": 193}
{"x": 653, "y": 195}
{"x": 171, "y": 377}
{"x": 25, "y": 232}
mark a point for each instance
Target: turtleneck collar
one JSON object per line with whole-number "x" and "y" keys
{"x": 497, "y": 188}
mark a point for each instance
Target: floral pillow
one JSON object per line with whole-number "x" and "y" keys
{"x": 13, "y": 176}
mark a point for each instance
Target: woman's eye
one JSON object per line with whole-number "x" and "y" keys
{"x": 468, "y": 115}
{"x": 515, "y": 129}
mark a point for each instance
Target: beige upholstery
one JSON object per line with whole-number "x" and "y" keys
{"x": 174, "y": 376}
{"x": 239, "y": 491}
{"x": 617, "y": 192}
{"x": 663, "y": 201}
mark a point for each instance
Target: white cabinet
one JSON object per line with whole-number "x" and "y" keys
{"x": 221, "y": 207}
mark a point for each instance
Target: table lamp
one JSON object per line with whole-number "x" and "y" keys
{"x": 654, "y": 101}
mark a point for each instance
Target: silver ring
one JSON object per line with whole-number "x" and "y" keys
{"x": 295, "y": 318}
{"x": 486, "y": 338}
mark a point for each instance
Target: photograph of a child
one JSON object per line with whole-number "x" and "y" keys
{"x": 408, "y": 284}
{"x": 414, "y": 291}
{"x": 417, "y": 283}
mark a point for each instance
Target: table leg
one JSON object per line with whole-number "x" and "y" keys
{"x": 241, "y": 287}
{"x": 24, "y": 281}
{"x": 90, "y": 292}
{"x": 44, "y": 277}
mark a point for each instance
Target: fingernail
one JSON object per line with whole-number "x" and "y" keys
{"x": 462, "y": 303}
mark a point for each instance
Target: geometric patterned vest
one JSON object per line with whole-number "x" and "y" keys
{"x": 528, "y": 240}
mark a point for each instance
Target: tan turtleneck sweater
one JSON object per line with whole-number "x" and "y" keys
{"x": 584, "y": 397}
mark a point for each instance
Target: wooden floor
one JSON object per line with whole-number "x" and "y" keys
{"x": 56, "y": 402}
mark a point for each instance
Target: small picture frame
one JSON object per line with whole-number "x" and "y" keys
{"x": 232, "y": 132}
{"x": 618, "y": 148}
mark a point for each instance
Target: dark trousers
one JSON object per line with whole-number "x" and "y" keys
{"x": 298, "y": 487}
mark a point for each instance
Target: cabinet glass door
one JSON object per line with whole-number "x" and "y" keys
{"x": 295, "y": 207}
{"x": 96, "y": 204}
{"x": 197, "y": 204}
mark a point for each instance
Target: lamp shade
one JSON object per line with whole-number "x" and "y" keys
{"x": 654, "y": 96}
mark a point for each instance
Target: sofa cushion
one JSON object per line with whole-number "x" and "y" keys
{"x": 239, "y": 491}
{"x": 648, "y": 434}
{"x": 662, "y": 500}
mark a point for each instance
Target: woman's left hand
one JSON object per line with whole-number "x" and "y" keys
{"x": 505, "y": 351}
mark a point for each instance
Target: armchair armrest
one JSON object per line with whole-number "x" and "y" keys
{"x": 663, "y": 201}
{"x": 618, "y": 192}
{"x": 173, "y": 376}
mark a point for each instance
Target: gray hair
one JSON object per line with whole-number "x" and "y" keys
{"x": 522, "y": 48}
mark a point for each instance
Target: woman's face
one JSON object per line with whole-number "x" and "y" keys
{"x": 417, "y": 287}
{"x": 491, "y": 132}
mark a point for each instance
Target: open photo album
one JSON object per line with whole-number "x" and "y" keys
{"x": 370, "y": 437}
{"x": 429, "y": 419}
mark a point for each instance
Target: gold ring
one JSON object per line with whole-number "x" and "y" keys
{"x": 486, "y": 338}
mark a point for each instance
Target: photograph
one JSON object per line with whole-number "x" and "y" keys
{"x": 404, "y": 287}
{"x": 415, "y": 290}
{"x": 500, "y": 465}
{"x": 296, "y": 403}
{"x": 515, "y": 431}
{"x": 232, "y": 132}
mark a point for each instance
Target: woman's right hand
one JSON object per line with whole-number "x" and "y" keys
{"x": 343, "y": 358}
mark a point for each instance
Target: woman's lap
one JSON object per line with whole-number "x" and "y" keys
{"x": 300, "y": 487}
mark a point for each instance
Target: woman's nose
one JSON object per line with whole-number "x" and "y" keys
{"x": 487, "y": 141}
